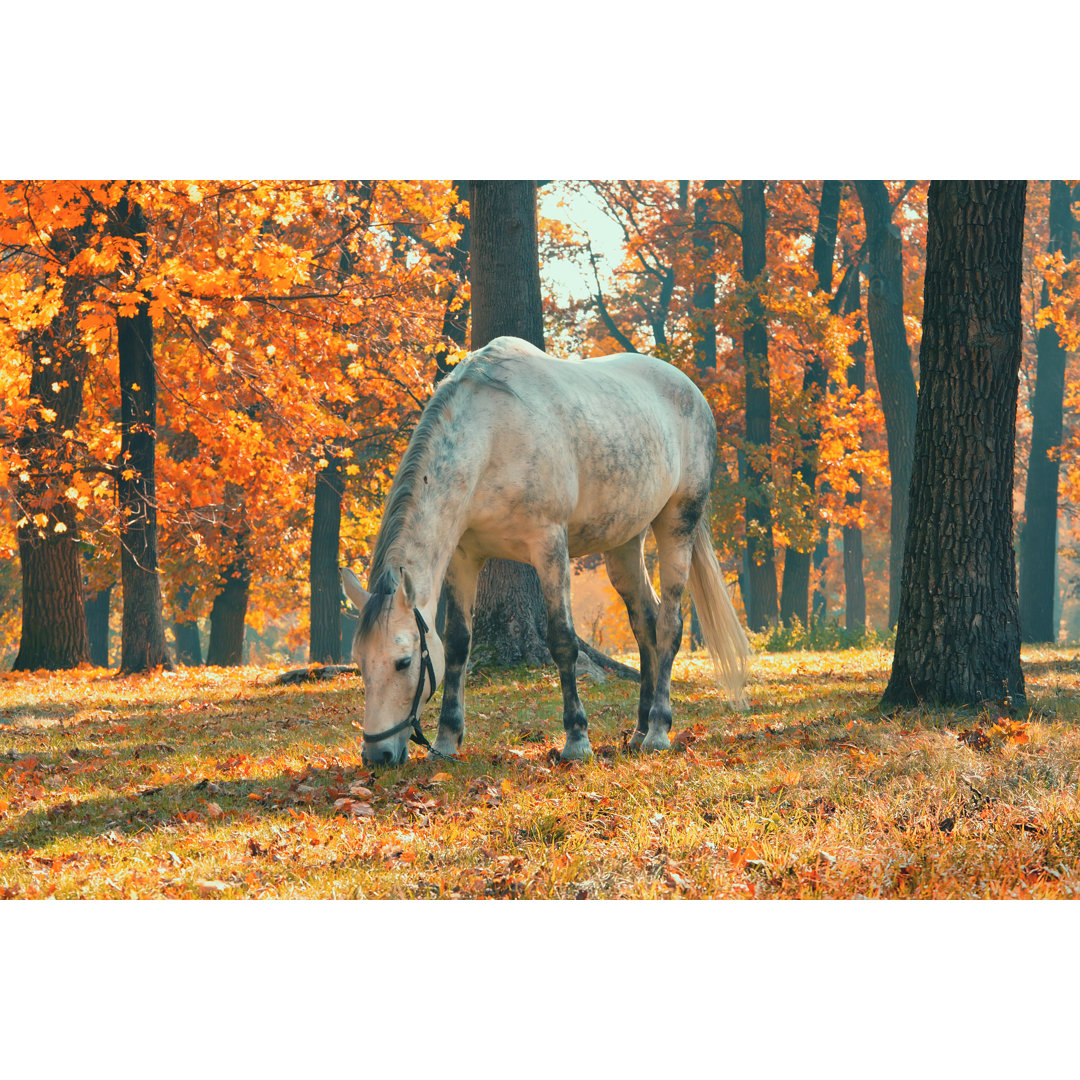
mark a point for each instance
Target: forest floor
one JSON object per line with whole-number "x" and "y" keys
{"x": 217, "y": 783}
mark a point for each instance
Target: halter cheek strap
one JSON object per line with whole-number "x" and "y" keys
{"x": 427, "y": 671}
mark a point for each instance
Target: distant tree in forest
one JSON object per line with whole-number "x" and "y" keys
{"x": 759, "y": 568}
{"x": 142, "y": 636}
{"x": 958, "y": 631}
{"x": 892, "y": 362}
{"x": 1038, "y": 534}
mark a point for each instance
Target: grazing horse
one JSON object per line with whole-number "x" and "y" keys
{"x": 519, "y": 455}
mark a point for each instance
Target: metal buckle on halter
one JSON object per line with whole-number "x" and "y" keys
{"x": 427, "y": 671}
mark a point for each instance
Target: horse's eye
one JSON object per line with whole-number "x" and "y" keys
{"x": 403, "y": 663}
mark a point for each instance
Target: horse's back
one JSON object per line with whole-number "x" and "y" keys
{"x": 600, "y": 445}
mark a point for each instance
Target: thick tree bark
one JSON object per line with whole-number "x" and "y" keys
{"x": 97, "y": 607}
{"x": 759, "y": 566}
{"x": 892, "y": 363}
{"x": 509, "y": 625}
{"x": 324, "y": 574}
{"x": 142, "y": 638}
{"x": 795, "y": 592}
{"x": 854, "y": 578}
{"x": 53, "y": 617}
{"x": 186, "y": 629}
{"x": 1038, "y": 536}
{"x": 958, "y": 631}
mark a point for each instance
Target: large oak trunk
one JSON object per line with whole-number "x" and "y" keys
{"x": 53, "y": 618}
{"x": 504, "y": 270}
{"x": 958, "y": 631}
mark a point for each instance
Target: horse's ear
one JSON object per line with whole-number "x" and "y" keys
{"x": 405, "y": 596}
{"x": 353, "y": 589}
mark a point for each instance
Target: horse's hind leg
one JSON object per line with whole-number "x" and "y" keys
{"x": 626, "y": 571}
{"x": 460, "y": 593}
{"x": 552, "y": 564}
{"x": 674, "y": 534}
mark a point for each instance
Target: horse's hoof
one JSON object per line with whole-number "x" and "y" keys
{"x": 445, "y": 746}
{"x": 634, "y": 745}
{"x": 577, "y": 748}
{"x": 656, "y": 741}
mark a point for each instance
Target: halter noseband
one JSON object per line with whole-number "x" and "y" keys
{"x": 427, "y": 671}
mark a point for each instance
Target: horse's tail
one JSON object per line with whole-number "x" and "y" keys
{"x": 724, "y": 635}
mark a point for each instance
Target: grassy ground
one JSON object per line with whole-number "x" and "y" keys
{"x": 214, "y": 783}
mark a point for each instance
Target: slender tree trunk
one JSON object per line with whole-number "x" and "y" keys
{"x": 1038, "y": 536}
{"x": 704, "y": 303}
{"x": 854, "y": 579}
{"x": 704, "y": 293}
{"x": 795, "y": 593}
{"x": 97, "y": 607}
{"x": 958, "y": 631}
{"x": 892, "y": 364}
{"x": 186, "y": 629}
{"x": 504, "y": 271}
{"x": 324, "y": 574}
{"x": 760, "y": 568}
{"x": 53, "y": 617}
{"x": 142, "y": 638}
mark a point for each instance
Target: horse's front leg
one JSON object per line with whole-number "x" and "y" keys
{"x": 460, "y": 592}
{"x": 553, "y": 567}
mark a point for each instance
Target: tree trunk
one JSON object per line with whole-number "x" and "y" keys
{"x": 1038, "y": 536}
{"x": 53, "y": 618}
{"x": 704, "y": 293}
{"x": 186, "y": 629}
{"x": 142, "y": 638}
{"x": 958, "y": 631}
{"x": 854, "y": 578}
{"x": 509, "y": 623}
{"x": 892, "y": 364}
{"x": 760, "y": 569}
{"x": 795, "y": 593}
{"x": 228, "y": 615}
{"x": 324, "y": 574}
{"x": 96, "y": 607}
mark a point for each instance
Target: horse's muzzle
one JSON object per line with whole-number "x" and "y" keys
{"x": 384, "y": 755}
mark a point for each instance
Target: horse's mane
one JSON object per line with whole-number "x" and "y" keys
{"x": 486, "y": 367}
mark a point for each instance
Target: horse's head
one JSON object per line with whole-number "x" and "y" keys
{"x": 401, "y": 660}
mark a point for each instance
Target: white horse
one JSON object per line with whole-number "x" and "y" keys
{"x": 519, "y": 455}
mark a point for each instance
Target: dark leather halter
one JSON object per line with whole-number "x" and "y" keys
{"x": 427, "y": 671}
